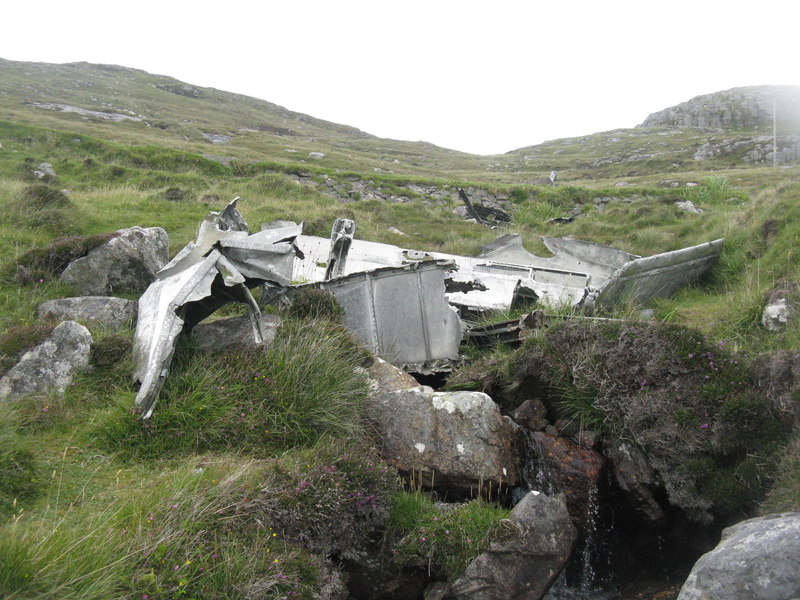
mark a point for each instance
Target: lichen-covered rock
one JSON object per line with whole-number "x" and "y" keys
{"x": 127, "y": 262}
{"x": 526, "y": 561}
{"x": 107, "y": 311}
{"x": 51, "y": 365}
{"x": 757, "y": 559}
{"x": 779, "y": 309}
{"x": 453, "y": 439}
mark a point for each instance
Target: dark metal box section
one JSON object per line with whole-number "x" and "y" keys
{"x": 401, "y": 314}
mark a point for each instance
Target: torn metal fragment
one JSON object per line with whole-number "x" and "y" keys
{"x": 401, "y": 314}
{"x": 341, "y": 237}
{"x": 220, "y": 266}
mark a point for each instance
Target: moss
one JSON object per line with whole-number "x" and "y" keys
{"x": 21, "y": 338}
{"x": 48, "y": 262}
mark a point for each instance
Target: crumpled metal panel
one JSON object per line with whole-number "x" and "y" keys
{"x": 400, "y": 314}
{"x": 219, "y": 267}
{"x": 659, "y": 275}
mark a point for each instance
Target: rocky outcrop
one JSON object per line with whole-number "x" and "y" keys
{"x": 235, "y": 331}
{"x": 756, "y": 150}
{"x": 737, "y": 108}
{"x": 527, "y": 560}
{"x": 453, "y": 440}
{"x": 50, "y": 366}
{"x": 127, "y": 262}
{"x": 101, "y": 310}
{"x": 758, "y": 559}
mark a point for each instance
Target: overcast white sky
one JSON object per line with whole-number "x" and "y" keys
{"x": 483, "y": 77}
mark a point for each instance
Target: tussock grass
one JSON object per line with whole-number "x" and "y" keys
{"x": 303, "y": 386}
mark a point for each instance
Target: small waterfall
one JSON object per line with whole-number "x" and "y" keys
{"x": 579, "y": 580}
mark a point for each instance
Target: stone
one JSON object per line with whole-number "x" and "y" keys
{"x": 394, "y": 230}
{"x": 778, "y": 310}
{"x": 453, "y": 440}
{"x": 389, "y": 378}
{"x": 570, "y": 469}
{"x": 621, "y": 184}
{"x": 107, "y": 311}
{"x": 688, "y": 206}
{"x": 234, "y": 331}
{"x": 316, "y": 155}
{"x": 525, "y": 562}
{"x": 637, "y": 479}
{"x": 757, "y": 559}
{"x": 45, "y": 171}
{"x": 127, "y": 262}
{"x": 50, "y": 366}
{"x": 532, "y": 414}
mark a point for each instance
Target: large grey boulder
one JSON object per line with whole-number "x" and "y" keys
{"x": 234, "y": 331}
{"x": 453, "y": 439}
{"x": 127, "y": 262}
{"x": 50, "y": 366}
{"x": 107, "y": 311}
{"x": 526, "y": 561}
{"x": 757, "y": 559}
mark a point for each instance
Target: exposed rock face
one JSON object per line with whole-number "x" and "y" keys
{"x": 235, "y": 331}
{"x": 758, "y": 559}
{"x": 737, "y": 108}
{"x": 757, "y": 150}
{"x": 525, "y": 562}
{"x": 51, "y": 365}
{"x": 634, "y": 475}
{"x": 453, "y": 439}
{"x": 102, "y": 310}
{"x": 127, "y": 262}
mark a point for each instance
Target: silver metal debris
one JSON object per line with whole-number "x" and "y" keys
{"x": 398, "y": 301}
{"x": 401, "y": 314}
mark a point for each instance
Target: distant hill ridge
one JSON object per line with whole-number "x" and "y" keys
{"x": 735, "y": 109}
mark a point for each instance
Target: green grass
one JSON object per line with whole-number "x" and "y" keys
{"x": 246, "y": 460}
{"x": 440, "y": 538}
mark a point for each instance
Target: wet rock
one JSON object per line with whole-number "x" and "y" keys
{"x": 528, "y": 559}
{"x": 570, "y": 469}
{"x": 50, "y": 366}
{"x": 636, "y": 478}
{"x": 375, "y": 578}
{"x": 757, "y": 559}
{"x": 234, "y": 331}
{"x": 453, "y": 440}
{"x": 107, "y": 311}
{"x": 532, "y": 414}
{"x": 127, "y": 262}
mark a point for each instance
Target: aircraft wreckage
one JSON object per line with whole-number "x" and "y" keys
{"x": 403, "y": 304}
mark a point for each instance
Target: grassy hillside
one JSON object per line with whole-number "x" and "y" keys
{"x": 230, "y": 471}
